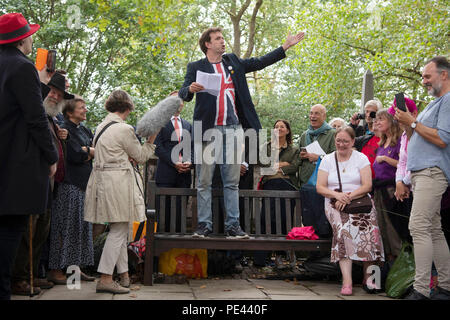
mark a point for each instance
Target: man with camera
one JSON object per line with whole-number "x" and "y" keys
{"x": 370, "y": 110}
{"x": 366, "y": 141}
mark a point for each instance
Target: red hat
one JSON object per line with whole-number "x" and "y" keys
{"x": 14, "y": 27}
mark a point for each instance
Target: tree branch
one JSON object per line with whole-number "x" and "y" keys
{"x": 252, "y": 27}
{"x": 351, "y": 46}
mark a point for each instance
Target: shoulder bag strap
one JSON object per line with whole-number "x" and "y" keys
{"x": 337, "y": 168}
{"x": 103, "y": 130}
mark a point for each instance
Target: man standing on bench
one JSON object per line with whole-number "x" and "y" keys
{"x": 232, "y": 109}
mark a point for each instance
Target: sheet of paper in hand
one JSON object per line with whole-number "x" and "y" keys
{"x": 315, "y": 148}
{"x": 211, "y": 82}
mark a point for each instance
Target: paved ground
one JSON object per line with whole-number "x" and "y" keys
{"x": 211, "y": 289}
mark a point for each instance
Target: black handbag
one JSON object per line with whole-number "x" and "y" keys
{"x": 361, "y": 205}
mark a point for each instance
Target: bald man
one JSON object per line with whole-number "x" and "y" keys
{"x": 318, "y": 130}
{"x": 313, "y": 213}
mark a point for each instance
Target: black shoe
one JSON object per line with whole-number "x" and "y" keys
{"x": 416, "y": 295}
{"x": 440, "y": 294}
{"x": 235, "y": 232}
{"x": 202, "y": 231}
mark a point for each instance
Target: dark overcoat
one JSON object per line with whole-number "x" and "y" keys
{"x": 26, "y": 146}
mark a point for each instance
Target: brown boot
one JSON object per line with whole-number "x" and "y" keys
{"x": 43, "y": 283}
{"x": 22, "y": 288}
{"x": 85, "y": 277}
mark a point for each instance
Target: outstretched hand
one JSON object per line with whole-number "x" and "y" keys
{"x": 292, "y": 40}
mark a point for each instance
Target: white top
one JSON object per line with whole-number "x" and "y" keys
{"x": 351, "y": 178}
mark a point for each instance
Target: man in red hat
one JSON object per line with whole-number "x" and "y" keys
{"x": 28, "y": 156}
{"x": 54, "y": 95}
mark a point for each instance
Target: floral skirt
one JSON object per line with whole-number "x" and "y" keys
{"x": 355, "y": 236}
{"x": 70, "y": 236}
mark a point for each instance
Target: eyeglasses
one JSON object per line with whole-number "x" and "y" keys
{"x": 343, "y": 141}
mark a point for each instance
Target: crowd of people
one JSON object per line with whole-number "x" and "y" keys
{"x": 58, "y": 178}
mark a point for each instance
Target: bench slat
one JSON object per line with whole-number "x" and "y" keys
{"x": 183, "y": 213}
{"x": 257, "y": 213}
{"x": 267, "y": 218}
{"x": 173, "y": 213}
{"x": 298, "y": 213}
{"x": 247, "y": 213}
{"x": 288, "y": 215}
{"x": 162, "y": 213}
{"x": 268, "y": 193}
{"x": 278, "y": 216}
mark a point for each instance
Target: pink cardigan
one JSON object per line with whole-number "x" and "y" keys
{"x": 402, "y": 173}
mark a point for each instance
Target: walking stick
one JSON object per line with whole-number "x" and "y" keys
{"x": 31, "y": 256}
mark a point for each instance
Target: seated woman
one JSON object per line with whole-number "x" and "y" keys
{"x": 355, "y": 236}
{"x": 70, "y": 236}
{"x": 385, "y": 167}
{"x": 283, "y": 177}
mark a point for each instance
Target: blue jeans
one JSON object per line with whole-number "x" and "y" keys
{"x": 230, "y": 173}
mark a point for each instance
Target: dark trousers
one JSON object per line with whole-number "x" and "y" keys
{"x": 41, "y": 228}
{"x": 11, "y": 231}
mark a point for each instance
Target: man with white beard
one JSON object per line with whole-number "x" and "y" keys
{"x": 54, "y": 95}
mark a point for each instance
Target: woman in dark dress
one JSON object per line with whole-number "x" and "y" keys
{"x": 71, "y": 236}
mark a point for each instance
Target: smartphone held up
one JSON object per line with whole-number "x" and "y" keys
{"x": 46, "y": 57}
{"x": 400, "y": 101}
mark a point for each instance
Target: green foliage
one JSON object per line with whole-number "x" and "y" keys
{"x": 143, "y": 46}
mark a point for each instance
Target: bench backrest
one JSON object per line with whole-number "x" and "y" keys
{"x": 251, "y": 203}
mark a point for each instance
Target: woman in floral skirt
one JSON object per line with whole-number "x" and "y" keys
{"x": 355, "y": 236}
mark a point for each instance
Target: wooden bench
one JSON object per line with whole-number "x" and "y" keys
{"x": 160, "y": 241}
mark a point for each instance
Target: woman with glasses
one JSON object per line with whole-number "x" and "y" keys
{"x": 355, "y": 236}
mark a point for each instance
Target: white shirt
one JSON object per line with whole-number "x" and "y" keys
{"x": 351, "y": 178}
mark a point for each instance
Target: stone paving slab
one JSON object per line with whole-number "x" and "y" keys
{"x": 280, "y": 287}
{"x": 225, "y": 289}
{"x": 153, "y": 296}
{"x": 162, "y": 288}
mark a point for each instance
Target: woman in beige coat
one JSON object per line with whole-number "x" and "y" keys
{"x": 114, "y": 192}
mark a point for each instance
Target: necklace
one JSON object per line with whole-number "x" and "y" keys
{"x": 342, "y": 166}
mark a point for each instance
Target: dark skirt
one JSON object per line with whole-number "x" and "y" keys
{"x": 70, "y": 236}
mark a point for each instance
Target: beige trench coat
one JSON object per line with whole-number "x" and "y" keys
{"x": 112, "y": 193}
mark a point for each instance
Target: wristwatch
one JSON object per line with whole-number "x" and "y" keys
{"x": 414, "y": 124}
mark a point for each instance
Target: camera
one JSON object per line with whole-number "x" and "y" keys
{"x": 362, "y": 116}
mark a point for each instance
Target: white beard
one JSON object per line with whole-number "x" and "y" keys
{"x": 53, "y": 109}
